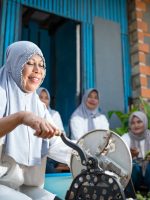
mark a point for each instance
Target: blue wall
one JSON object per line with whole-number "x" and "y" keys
{"x": 66, "y": 70}
{"x": 81, "y": 10}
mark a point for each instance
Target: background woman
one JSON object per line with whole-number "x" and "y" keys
{"x": 52, "y": 166}
{"x": 138, "y": 141}
{"x": 87, "y": 116}
{"x": 46, "y": 98}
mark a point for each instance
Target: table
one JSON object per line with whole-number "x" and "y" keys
{"x": 58, "y": 183}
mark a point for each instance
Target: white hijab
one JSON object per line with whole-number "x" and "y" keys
{"x": 55, "y": 114}
{"x": 145, "y": 136}
{"x": 20, "y": 143}
{"x": 39, "y": 90}
{"x": 86, "y": 113}
{"x": 135, "y": 139}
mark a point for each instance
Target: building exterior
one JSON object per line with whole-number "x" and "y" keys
{"x": 86, "y": 43}
{"x": 139, "y": 34}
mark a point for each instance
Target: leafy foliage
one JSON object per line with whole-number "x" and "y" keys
{"x": 145, "y": 106}
{"x": 123, "y": 117}
{"x": 139, "y": 196}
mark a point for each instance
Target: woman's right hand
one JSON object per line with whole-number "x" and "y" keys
{"x": 42, "y": 127}
{"x": 134, "y": 152}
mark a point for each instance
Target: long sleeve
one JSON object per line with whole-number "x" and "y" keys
{"x": 78, "y": 127}
{"x": 58, "y": 121}
{"x": 126, "y": 139}
{"x": 59, "y": 151}
{"x": 101, "y": 122}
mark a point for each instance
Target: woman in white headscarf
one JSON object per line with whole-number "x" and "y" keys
{"x": 87, "y": 116}
{"x": 52, "y": 165}
{"x": 138, "y": 141}
{"x": 25, "y": 123}
{"x": 45, "y": 98}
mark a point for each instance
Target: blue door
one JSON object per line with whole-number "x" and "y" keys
{"x": 57, "y": 39}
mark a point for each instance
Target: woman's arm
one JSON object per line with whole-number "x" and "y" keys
{"x": 9, "y": 123}
{"x": 41, "y": 126}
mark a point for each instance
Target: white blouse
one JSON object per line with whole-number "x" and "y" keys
{"x": 127, "y": 140}
{"x": 79, "y": 125}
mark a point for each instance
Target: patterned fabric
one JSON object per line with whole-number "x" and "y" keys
{"x": 17, "y": 55}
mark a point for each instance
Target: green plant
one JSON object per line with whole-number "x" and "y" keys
{"x": 145, "y": 106}
{"x": 123, "y": 117}
{"x": 139, "y": 196}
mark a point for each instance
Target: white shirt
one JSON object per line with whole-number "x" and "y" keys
{"x": 79, "y": 125}
{"x": 57, "y": 119}
{"x": 126, "y": 138}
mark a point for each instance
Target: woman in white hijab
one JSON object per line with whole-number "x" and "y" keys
{"x": 25, "y": 124}
{"x": 52, "y": 165}
{"x": 46, "y": 98}
{"x": 138, "y": 141}
{"x": 87, "y": 116}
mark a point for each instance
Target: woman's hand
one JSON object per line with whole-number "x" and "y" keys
{"x": 134, "y": 152}
{"x": 41, "y": 126}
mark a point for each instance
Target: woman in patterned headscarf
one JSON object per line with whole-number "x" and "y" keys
{"x": 87, "y": 116}
{"x": 23, "y": 117}
{"x": 138, "y": 140}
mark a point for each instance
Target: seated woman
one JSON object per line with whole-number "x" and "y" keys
{"x": 138, "y": 141}
{"x": 46, "y": 98}
{"x": 87, "y": 116}
{"x": 52, "y": 166}
{"x": 28, "y": 129}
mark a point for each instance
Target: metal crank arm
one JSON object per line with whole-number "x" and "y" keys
{"x": 74, "y": 146}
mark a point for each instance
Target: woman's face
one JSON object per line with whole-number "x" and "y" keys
{"x": 137, "y": 126}
{"x": 44, "y": 97}
{"x": 92, "y": 100}
{"x": 33, "y": 73}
